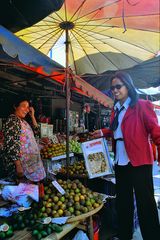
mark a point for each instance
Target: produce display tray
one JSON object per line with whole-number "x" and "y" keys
{"x": 69, "y": 226}
{"x": 22, "y": 235}
{"x": 26, "y": 235}
{"x": 85, "y": 215}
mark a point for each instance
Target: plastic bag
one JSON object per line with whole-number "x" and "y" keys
{"x": 7, "y": 211}
{"x": 21, "y": 194}
{"x": 80, "y": 235}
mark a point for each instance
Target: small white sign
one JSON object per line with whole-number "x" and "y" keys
{"x": 4, "y": 227}
{"x": 50, "y": 131}
{"x": 21, "y": 209}
{"x": 44, "y": 130}
{"x": 62, "y": 156}
{"x": 58, "y": 187}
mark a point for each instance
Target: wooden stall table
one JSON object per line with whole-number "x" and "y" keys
{"x": 73, "y": 222}
{"x": 26, "y": 235}
{"x": 87, "y": 217}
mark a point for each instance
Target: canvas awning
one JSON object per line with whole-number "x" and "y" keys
{"x": 17, "y": 55}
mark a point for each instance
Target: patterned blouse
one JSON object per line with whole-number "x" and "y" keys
{"x": 20, "y": 144}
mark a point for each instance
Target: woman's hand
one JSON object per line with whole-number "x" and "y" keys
{"x": 31, "y": 112}
{"x": 96, "y": 134}
{"x": 19, "y": 169}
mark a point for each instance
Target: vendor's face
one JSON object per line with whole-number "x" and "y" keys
{"x": 119, "y": 90}
{"x": 22, "y": 110}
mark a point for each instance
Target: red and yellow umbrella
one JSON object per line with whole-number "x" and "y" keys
{"x": 102, "y": 34}
{"x": 94, "y": 36}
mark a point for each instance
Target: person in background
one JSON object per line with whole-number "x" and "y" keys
{"x": 133, "y": 123}
{"x": 20, "y": 152}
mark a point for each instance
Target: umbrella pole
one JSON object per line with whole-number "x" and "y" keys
{"x": 67, "y": 101}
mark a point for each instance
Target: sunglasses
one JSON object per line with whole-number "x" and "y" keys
{"x": 117, "y": 86}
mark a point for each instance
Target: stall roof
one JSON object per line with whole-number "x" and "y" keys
{"x": 21, "y": 65}
{"x": 21, "y": 52}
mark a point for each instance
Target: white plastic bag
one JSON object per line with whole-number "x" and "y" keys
{"x": 80, "y": 235}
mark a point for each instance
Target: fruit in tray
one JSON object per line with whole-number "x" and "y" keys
{"x": 78, "y": 168}
{"x": 83, "y": 137}
{"x": 30, "y": 219}
{"x": 53, "y": 150}
{"x": 7, "y": 231}
{"x": 43, "y": 230}
{"x": 77, "y": 200}
{"x": 24, "y": 219}
{"x": 75, "y": 146}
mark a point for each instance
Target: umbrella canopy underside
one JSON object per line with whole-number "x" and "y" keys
{"x": 103, "y": 34}
{"x": 144, "y": 75}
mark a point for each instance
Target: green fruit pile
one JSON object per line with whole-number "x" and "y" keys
{"x": 75, "y": 146}
{"x": 7, "y": 234}
{"x": 78, "y": 168}
{"x": 43, "y": 230}
{"x": 77, "y": 200}
{"x": 24, "y": 219}
{"x": 28, "y": 219}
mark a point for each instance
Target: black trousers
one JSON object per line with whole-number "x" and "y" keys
{"x": 139, "y": 179}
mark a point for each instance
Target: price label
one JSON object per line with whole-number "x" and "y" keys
{"x": 4, "y": 227}
{"x": 21, "y": 209}
{"x": 58, "y": 187}
{"x": 45, "y": 220}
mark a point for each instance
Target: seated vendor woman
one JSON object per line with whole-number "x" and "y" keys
{"x": 21, "y": 154}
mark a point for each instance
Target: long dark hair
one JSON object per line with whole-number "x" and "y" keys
{"x": 128, "y": 82}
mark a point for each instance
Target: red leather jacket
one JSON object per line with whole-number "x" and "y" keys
{"x": 139, "y": 124}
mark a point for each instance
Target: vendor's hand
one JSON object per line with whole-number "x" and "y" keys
{"x": 96, "y": 134}
{"x": 19, "y": 171}
{"x": 31, "y": 112}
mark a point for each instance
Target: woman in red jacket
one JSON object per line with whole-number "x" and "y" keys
{"x": 133, "y": 122}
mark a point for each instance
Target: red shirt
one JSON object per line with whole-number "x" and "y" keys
{"x": 138, "y": 125}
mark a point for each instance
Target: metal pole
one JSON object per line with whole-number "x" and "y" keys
{"x": 99, "y": 116}
{"x": 67, "y": 101}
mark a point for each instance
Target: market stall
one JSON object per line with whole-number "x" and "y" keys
{"x": 53, "y": 154}
{"x": 66, "y": 193}
{"x": 54, "y": 215}
{"x": 90, "y": 207}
